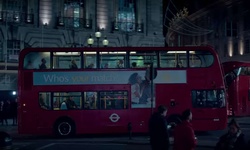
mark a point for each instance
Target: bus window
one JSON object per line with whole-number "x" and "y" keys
{"x": 194, "y": 61}
{"x": 37, "y": 60}
{"x": 90, "y": 100}
{"x": 66, "y": 60}
{"x": 90, "y": 60}
{"x": 141, "y": 59}
{"x": 200, "y": 59}
{"x": 182, "y": 60}
{"x": 44, "y": 100}
{"x": 173, "y": 59}
{"x": 67, "y": 100}
{"x": 114, "y": 100}
{"x": 112, "y": 59}
{"x": 208, "y": 98}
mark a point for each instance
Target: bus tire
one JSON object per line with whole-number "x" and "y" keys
{"x": 64, "y": 128}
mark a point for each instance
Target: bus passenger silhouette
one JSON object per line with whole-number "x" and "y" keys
{"x": 43, "y": 64}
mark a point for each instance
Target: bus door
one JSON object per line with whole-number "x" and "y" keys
{"x": 242, "y": 97}
{"x": 114, "y": 111}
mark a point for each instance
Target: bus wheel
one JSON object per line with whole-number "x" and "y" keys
{"x": 64, "y": 128}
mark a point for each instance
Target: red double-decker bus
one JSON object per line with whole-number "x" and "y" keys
{"x": 237, "y": 78}
{"x": 104, "y": 90}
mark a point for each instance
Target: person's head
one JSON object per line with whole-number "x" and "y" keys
{"x": 135, "y": 78}
{"x": 91, "y": 65}
{"x": 180, "y": 64}
{"x": 106, "y": 65}
{"x": 162, "y": 110}
{"x": 41, "y": 95}
{"x": 43, "y": 60}
{"x": 120, "y": 61}
{"x": 73, "y": 61}
{"x": 233, "y": 127}
{"x": 187, "y": 115}
{"x": 134, "y": 64}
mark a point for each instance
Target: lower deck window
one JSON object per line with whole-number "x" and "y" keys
{"x": 208, "y": 98}
{"x": 83, "y": 100}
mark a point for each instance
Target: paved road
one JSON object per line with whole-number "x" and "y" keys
{"x": 206, "y": 140}
{"x": 87, "y": 146}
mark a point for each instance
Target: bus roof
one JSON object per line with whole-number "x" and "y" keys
{"x": 231, "y": 65}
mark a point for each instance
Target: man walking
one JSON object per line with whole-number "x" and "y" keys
{"x": 158, "y": 130}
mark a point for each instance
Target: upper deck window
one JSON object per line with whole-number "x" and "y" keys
{"x": 244, "y": 71}
{"x": 173, "y": 59}
{"x": 37, "y": 60}
{"x": 89, "y": 60}
{"x": 112, "y": 59}
{"x": 141, "y": 59}
{"x": 66, "y": 60}
{"x": 200, "y": 59}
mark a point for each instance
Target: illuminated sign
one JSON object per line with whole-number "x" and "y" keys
{"x": 104, "y": 77}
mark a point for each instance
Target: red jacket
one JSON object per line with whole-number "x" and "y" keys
{"x": 184, "y": 138}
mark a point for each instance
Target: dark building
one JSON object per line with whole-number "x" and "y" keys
{"x": 223, "y": 24}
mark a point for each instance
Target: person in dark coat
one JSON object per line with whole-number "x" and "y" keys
{"x": 184, "y": 137}
{"x": 13, "y": 110}
{"x": 158, "y": 130}
{"x": 234, "y": 139}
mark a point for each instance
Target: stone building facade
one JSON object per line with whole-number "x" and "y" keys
{"x": 69, "y": 23}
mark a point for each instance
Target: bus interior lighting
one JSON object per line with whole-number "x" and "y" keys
{"x": 180, "y": 52}
{"x": 66, "y": 53}
{"x": 89, "y": 52}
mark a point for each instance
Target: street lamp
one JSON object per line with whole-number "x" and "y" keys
{"x": 98, "y": 34}
{"x": 90, "y": 41}
{"x": 105, "y": 42}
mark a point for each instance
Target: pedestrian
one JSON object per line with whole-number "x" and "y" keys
{"x": 3, "y": 112}
{"x": 13, "y": 111}
{"x": 184, "y": 137}
{"x": 234, "y": 139}
{"x": 158, "y": 130}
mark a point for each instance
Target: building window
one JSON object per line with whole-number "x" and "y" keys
{"x": 247, "y": 48}
{"x": 231, "y": 28}
{"x": 126, "y": 15}
{"x": 13, "y": 10}
{"x": 73, "y": 11}
{"x": 13, "y": 49}
{"x": 235, "y": 49}
{"x": 225, "y": 51}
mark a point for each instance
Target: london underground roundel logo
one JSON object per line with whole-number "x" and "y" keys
{"x": 114, "y": 117}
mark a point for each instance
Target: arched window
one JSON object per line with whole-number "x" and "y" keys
{"x": 126, "y": 15}
{"x": 73, "y": 11}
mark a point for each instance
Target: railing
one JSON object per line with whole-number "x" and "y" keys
{"x": 127, "y": 26}
{"x": 74, "y": 22}
{"x": 16, "y": 17}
